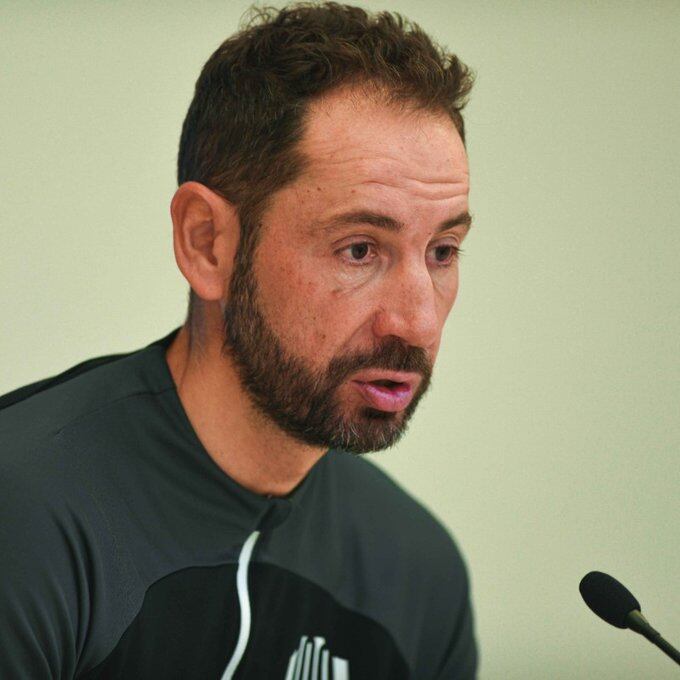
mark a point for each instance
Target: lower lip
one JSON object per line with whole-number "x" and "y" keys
{"x": 386, "y": 398}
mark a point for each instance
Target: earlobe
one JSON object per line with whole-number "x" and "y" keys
{"x": 205, "y": 238}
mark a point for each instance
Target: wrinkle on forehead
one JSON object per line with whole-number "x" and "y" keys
{"x": 444, "y": 192}
{"x": 443, "y": 154}
{"x": 390, "y": 158}
{"x": 362, "y": 171}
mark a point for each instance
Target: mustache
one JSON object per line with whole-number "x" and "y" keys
{"x": 392, "y": 355}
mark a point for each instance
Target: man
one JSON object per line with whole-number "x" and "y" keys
{"x": 199, "y": 508}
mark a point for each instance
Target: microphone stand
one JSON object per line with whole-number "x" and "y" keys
{"x": 639, "y": 624}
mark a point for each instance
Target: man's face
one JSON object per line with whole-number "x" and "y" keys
{"x": 318, "y": 306}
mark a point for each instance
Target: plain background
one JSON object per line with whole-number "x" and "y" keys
{"x": 548, "y": 443}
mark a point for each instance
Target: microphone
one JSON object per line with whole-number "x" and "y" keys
{"x": 615, "y": 604}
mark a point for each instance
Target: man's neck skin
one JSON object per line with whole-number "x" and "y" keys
{"x": 247, "y": 447}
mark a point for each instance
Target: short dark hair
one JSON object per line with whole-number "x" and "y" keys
{"x": 241, "y": 132}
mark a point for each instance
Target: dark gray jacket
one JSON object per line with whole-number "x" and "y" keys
{"x": 126, "y": 552}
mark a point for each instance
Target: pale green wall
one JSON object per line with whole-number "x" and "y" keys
{"x": 549, "y": 441}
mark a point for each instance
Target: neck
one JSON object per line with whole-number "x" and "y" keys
{"x": 245, "y": 444}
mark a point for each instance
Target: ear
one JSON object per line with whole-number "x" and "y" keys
{"x": 205, "y": 236}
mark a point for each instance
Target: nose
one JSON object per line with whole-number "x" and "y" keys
{"x": 410, "y": 306}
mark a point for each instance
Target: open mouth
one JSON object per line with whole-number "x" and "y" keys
{"x": 385, "y": 383}
{"x": 387, "y": 395}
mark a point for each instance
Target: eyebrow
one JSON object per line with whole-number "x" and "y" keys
{"x": 389, "y": 223}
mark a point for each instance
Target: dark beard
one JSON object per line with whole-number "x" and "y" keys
{"x": 302, "y": 402}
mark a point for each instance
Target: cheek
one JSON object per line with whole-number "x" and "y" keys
{"x": 448, "y": 292}
{"x": 299, "y": 310}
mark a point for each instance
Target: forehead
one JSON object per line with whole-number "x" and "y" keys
{"x": 362, "y": 151}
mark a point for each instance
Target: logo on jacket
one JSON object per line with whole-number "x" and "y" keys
{"x": 312, "y": 661}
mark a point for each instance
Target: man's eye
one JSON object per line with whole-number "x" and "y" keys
{"x": 455, "y": 253}
{"x": 357, "y": 252}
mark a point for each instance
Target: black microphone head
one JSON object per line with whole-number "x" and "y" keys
{"x": 608, "y": 598}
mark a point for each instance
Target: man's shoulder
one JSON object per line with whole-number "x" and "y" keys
{"x": 45, "y": 404}
{"x": 415, "y": 578}
{"x": 382, "y": 507}
{"x": 32, "y": 416}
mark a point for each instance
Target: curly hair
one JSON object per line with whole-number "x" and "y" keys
{"x": 241, "y": 132}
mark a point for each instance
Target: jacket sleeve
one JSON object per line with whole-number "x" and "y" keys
{"x": 454, "y": 613}
{"x": 39, "y": 583}
{"x": 461, "y": 658}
